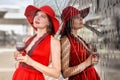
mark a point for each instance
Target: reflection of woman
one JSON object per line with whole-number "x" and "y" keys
{"x": 41, "y": 48}
{"x": 77, "y": 63}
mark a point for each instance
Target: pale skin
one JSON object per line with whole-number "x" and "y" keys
{"x": 53, "y": 71}
{"x": 77, "y": 23}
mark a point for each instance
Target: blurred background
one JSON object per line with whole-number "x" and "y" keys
{"x": 101, "y": 29}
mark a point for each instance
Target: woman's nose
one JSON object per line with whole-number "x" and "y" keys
{"x": 38, "y": 17}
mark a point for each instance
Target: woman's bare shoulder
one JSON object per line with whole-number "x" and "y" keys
{"x": 55, "y": 40}
{"x": 55, "y": 44}
{"x": 64, "y": 38}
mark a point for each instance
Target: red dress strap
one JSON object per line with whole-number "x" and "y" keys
{"x": 36, "y": 43}
{"x": 34, "y": 46}
{"x": 29, "y": 40}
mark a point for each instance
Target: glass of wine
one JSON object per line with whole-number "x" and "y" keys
{"x": 94, "y": 50}
{"x": 20, "y": 46}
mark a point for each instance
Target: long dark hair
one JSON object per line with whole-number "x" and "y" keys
{"x": 50, "y": 28}
{"x": 67, "y": 29}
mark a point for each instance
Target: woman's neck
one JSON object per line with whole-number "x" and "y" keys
{"x": 40, "y": 33}
{"x": 74, "y": 32}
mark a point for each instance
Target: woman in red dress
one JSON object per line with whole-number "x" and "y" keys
{"x": 42, "y": 48}
{"x": 77, "y": 62}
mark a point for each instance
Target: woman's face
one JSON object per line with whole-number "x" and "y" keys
{"x": 41, "y": 20}
{"x": 77, "y": 22}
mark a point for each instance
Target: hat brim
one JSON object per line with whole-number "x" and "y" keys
{"x": 30, "y": 13}
{"x": 84, "y": 12}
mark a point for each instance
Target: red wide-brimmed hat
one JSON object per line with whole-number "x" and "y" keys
{"x": 70, "y": 11}
{"x": 31, "y": 10}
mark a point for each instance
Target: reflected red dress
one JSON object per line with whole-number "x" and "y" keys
{"x": 78, "y": 55}
{"x": 40, "y": 52}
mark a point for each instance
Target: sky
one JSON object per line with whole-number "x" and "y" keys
{"x": 20, "y": 3}
{"x": 14, "y": 4}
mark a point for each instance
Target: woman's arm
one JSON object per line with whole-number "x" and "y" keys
{"x": 70, "y": 71}
{"x": 53, "y": 71}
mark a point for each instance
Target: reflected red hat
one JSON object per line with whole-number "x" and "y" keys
{"x": 31, "y": 10}
{"x": 70, "y": 11}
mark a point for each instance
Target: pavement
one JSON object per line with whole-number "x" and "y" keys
{"x": 6, "y": 64}
{"x": 7, "y": 67}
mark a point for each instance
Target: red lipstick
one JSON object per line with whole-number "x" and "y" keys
{"x": 37, "y": 22}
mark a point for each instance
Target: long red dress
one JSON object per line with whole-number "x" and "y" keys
{"x": 40, "y": 52}
{"x": 78, "y": 55}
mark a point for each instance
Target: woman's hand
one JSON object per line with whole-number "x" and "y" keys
{"x": 16, "y": 53}
{"x": 93, "y": 59}
{"x": 26, "y": 59}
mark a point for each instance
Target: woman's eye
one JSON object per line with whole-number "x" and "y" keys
{"x": 76, "y": 17}
{"x": 42, "y": 16}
